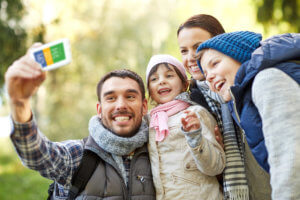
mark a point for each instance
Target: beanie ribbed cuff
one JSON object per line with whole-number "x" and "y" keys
{"x": 238, "y": 45}
{"x": 164, "y": 58}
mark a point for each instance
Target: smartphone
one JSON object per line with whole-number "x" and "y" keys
{"x": 52, "y": 55}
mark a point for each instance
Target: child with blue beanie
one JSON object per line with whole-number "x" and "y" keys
{"x": 260, "y": 82}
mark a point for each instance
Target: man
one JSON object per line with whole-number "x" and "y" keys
{"x": 117, "y": 136}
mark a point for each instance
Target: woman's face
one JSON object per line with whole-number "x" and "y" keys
{"x": 189, "y": 39}
{"x": 220, "y": 71}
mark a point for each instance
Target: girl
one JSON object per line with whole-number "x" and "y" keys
{"x": 184, "y": 155}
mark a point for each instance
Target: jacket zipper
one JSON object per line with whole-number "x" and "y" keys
{"x": 117, "y": 170}
{"x": 237, "y": 115}
{"x": 131, "y": 175}
{"x": 122, "y": 182}
{"x": 240, "y": 128}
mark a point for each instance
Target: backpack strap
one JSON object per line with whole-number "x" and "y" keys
{"x": 50, "y": 191}
{"x": 52, "y": 185}
{"x": 82, "y": 175}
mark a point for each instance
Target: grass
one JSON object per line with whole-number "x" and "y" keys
{"x": 16, "y": 181}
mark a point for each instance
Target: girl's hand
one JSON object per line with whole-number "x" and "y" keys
{"x": 190, "y": 122}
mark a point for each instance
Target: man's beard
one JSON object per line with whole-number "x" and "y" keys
{"x": 131, "y": 133}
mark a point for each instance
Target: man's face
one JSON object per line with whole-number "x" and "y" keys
{"x": 121, "y": 108}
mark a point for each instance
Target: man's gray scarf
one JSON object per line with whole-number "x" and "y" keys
{"x": 116, "y": 145}
{"x": 235, "y": 184}
{"x": 113, "y": 143}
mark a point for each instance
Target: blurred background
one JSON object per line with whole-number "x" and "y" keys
{"x": 104, "y": 35}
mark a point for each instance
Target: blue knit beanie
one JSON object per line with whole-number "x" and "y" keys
{"x": 237, "y": 45}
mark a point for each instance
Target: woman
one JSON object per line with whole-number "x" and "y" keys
{"x": 260, "y": 80}
{"x": 194, "y": 31}
{"x": 190, "y": 34}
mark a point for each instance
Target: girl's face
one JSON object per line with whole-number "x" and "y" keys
{"x": 220, "y": 71}
{"x": 189, "y": 39}
{"x": 165, "y": 84}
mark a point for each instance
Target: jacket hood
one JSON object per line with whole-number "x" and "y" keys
{"x": 274, "y": 50}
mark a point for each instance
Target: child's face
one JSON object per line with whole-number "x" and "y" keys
{"x": 220, "y": 71}
{"x": 164, "y": 84}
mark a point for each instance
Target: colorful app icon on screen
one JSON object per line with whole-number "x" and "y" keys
{"x": 53, "y": 55}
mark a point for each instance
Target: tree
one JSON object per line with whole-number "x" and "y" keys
{"x": 12, "y": 35}
{"x": 113, "y": 38}
{"x": 282, "y": 15}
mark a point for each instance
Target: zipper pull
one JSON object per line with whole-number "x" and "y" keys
{"x": 141, "y": 178}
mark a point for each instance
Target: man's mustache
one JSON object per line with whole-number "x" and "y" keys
{"x": 123, "y": 112}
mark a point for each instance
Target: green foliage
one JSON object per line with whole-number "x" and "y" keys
{"x": 12, "y": 35}
{"x": 283, "y": 15}
{"x": 25, "y": 184}
{"x": 104, "y": 35}
{"x": 16, "y": 181}
{"x": 114, "y": 39}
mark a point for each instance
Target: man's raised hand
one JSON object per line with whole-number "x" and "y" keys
{"x": 22, "y": 80}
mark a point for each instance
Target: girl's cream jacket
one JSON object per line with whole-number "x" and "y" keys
{"x": 181, "y": 172}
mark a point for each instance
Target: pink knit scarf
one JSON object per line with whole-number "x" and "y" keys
{"x": 159, "y": 117}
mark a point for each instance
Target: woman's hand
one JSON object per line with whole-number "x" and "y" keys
{"x": 219, "y": 136}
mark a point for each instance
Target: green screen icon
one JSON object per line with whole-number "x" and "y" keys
{"x": 57, "y": 52}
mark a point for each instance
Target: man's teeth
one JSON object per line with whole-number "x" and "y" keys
{"x": 121, "y": 119}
